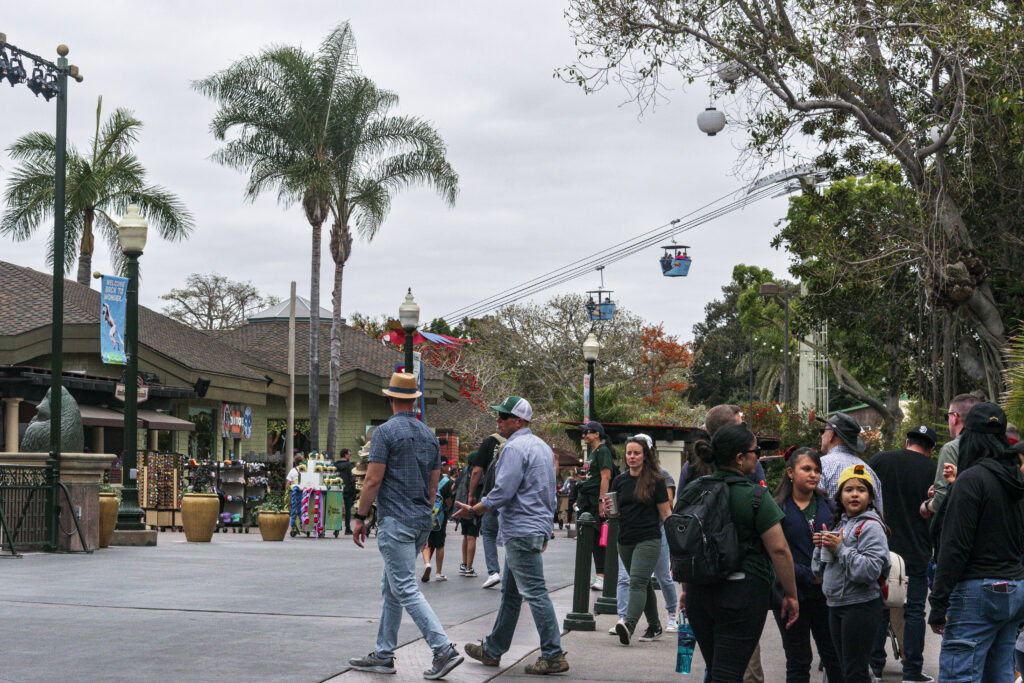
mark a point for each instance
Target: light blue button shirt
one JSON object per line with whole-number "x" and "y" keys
{"x": 524, "y": 488}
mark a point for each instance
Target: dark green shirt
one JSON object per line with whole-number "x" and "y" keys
{"x": 748, "y": 529}
{"x": 599, "y": 460}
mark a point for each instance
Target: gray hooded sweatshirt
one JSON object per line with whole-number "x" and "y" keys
{"x": 852, "y": 577}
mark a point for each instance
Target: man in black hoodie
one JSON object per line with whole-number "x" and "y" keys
{"x": 978, "y": 593}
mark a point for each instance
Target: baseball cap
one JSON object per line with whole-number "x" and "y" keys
{"x": 855, "y": 472}
{"x": 925, "y": 432}
{"x": 594, "y": 426}
{"x": 515, "y": 405}
{"x": 986, "y": 418}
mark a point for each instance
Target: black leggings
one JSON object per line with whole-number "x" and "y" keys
{"x": 727, "y": 619}
{"x": 796, "y": 640}
{"x": 853, "y": 634}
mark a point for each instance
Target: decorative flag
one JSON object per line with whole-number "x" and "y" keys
{"x": 113, "y": 299}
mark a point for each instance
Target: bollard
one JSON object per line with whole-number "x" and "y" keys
{"x": 580, "y": 619}
{"x": 607, "y": 603}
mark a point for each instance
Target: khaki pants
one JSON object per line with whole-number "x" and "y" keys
{"x": 897, "y": 623}
{"x": 754, "y": 672}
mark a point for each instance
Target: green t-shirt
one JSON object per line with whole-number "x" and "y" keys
{"x": 749, "y": 530}
{"x": 600, "y": 459}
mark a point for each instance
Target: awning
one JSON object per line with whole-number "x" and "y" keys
{"x": 162, "y": 422}
{"x": 567, "y": 458}
{"x": 95, "y": 416}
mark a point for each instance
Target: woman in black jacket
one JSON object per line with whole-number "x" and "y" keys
{"x": 807, "y": 508}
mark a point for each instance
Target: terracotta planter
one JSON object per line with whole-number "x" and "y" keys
{"x": 199, "y": 516}
{"x": 108, "y": 517}
{"x": 273, "y": 525}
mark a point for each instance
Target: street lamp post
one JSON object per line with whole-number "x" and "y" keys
{"x": 49, "y": 79}
{"x": 591, "y": 348}
{"x": 132, "y": 234}
{"x": 771, "y": 289}
{"x": 409, "y": 317}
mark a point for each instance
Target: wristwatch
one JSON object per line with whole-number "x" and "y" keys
{"x": 361, "y": 518}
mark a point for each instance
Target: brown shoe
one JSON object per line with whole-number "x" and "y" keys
{"x": 542, "y": 667}
{"x": 476, "y": 651}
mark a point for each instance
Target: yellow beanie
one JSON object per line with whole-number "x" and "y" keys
{"x": 856, "y": 472}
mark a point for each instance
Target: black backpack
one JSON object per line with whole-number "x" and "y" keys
{"x": 700, "y": 532}
{"x": 460, "y": 490}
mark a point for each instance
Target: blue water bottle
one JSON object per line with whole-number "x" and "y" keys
{"x": 686, "y": 639}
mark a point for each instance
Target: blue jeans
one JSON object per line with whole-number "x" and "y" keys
{"x": 296, "y": 504}
{"x": 977, "y": 646}
{"x": 662, "y": 572}
{"x": 489, "y": 532}
{"x": 524, "y": 578}
{"x": 913, "y": 629}
{"x": 399, "y": 545}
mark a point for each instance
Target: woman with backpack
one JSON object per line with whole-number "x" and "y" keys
{"x": 728, "y": 612}
{"x": 807, "y": 508}
{"x": 850, "y": 563}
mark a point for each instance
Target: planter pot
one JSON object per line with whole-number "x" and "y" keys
{"x": 273, "y": 525}
{"x": 108, "y": 517}
{"x": 199, "y": 516}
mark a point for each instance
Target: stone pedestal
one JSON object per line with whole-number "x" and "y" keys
{"x": 144, "y": 537}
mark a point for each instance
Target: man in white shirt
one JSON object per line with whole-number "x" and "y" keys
{"x": 292, "y": 487}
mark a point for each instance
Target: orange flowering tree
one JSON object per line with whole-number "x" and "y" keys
{"x": 664, "y": 365}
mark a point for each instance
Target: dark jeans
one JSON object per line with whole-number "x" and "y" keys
{"x": 853, "y": 634}
{"x": 796, "y": 641}
{"x": 913, "y": 629}
{"x": 727, "y": 618}
{"x": 349, "y": 499}
{"x": 588, "y": 503}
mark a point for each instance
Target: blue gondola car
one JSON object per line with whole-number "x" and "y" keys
{"x": 600, "y": 305}
{"x": 675, "y": 262}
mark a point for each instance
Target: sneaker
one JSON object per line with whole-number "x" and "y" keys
{"x": 555, "y": 665}
{"x": 440, "y": 577}
{"x": 492, "y": 580}
{"x": 623, "y": 632}
{"x": 443, "y": 663}
{"x": 476, "y": 651}
{"x": 373, "y": 664}
{"x": 919, "y": 678}
{"x": 470, "y": 573}
{"x": 652, "y": 633}
{"x": 671, "y": 625}
{"x": 426, "y": 574}
{"x": 462, "y": 569}
{"x": 598, "y": 584}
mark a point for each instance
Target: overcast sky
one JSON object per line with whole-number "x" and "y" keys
{"x": 547, "y": 174}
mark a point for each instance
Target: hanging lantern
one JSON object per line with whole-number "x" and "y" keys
{"x": 711, "y": 121}
{"x": 730, "y": 71}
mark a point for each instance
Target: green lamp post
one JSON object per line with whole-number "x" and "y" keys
{"x": 409, "y": 317}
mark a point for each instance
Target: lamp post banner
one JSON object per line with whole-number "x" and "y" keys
{"x": 586, "y": 398}
{"x": 112, "y": 319}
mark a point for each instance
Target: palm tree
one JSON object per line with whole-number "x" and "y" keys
{"x": 98, "y": 189}
{"x": 280, "y": 105}
{"x": 374, "y": 156}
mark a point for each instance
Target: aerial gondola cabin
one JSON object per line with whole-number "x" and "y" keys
{"x": 600, "y": 305}
{"x": 675, "y": 262}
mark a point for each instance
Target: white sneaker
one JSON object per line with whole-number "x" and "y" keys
{"x": 492, "y": 580}
{"x": 612, "y": 631}
{"x": 671, "y": 624}
{"x": 598, "y": 584}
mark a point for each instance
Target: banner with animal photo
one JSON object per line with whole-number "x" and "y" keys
{"x": 113, "y": 301}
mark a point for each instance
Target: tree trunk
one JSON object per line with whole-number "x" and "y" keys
{"x": 947, "y": 358}
{"x": 935, "y": 366}
{"x": 85, "y": 251}
{"x": 341, "y": 248}
{"x": 316, "y": 213}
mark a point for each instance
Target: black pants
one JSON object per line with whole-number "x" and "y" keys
{"x": 853, "y": 634}
{"x": 727, "y": 619}
{"x": 349, "y": 500}
{"x": 588, "y": 503}
{"x": 796, "y": 641}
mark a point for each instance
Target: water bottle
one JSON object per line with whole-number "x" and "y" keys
{"x": 686, "y": 641}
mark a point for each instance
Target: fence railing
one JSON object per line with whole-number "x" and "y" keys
{"x": 23, "y": 519}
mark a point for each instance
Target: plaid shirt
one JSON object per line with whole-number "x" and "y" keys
{"x": 832, "y": 465}
{"x": 410, "y": 452}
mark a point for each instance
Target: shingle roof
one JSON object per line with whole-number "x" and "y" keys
{"x": 280, "y": 311}
{"x": 26, "y": 300}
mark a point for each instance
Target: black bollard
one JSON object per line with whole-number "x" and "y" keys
{"x": 607, "y": 603}
{"x": 580, "y": 619}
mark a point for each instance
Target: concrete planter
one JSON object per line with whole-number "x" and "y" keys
{"x": 273, "y": 525}
{"x": 199, "y": 516}
{"x": 108, "y": 517}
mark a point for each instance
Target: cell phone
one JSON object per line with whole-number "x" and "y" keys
{"x": 1000, "y": 587}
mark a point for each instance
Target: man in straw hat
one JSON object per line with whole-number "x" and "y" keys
{"x": 402, "y": 475}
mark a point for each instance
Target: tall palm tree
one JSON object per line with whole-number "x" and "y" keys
{"x": 374, "y": 156}
{"x": 99, "y": 187}
{"x": 279, "y": 104}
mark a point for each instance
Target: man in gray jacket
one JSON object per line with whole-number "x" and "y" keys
{"x": 524, "y": 496}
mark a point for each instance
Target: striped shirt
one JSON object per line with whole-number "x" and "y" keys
{"x": 411, "y": 453}
{"x": 832, "y": 465}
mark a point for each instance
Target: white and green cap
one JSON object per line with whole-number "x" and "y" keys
{"x": 515, "y": 405}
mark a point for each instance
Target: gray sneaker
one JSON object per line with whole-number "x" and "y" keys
{"x": 373, "y": 664}
{"x": 443, "y": 663}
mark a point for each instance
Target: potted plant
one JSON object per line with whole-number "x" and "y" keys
{"x": 110, "y": 500}
{"x": 272, "y": 517}
{"x": 199, "y": 507}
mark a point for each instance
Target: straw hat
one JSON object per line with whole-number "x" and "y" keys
{"x": 403, "y": 385}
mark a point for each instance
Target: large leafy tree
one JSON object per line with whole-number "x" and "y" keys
{"x": 374, "y": 155}
{"x": 99, "y": 186}
{"x": 904, "y": 81}
{"x": 280, "y": 106}
{"x": 213, "y": 302}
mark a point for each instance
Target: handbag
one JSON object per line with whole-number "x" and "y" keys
{"x": 602, "y": 542}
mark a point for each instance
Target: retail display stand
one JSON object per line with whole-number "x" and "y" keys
{"x": 160, "y": 489}
{"x": 320, "y": 509}
{"x": 241, "y": 486}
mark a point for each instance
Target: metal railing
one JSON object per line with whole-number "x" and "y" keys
{"x": 23, "y": 518}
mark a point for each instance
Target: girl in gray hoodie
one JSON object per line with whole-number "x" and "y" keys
{"x": 850, "y": 559}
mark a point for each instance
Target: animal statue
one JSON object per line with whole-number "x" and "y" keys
{"x": 37, "y": 434}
